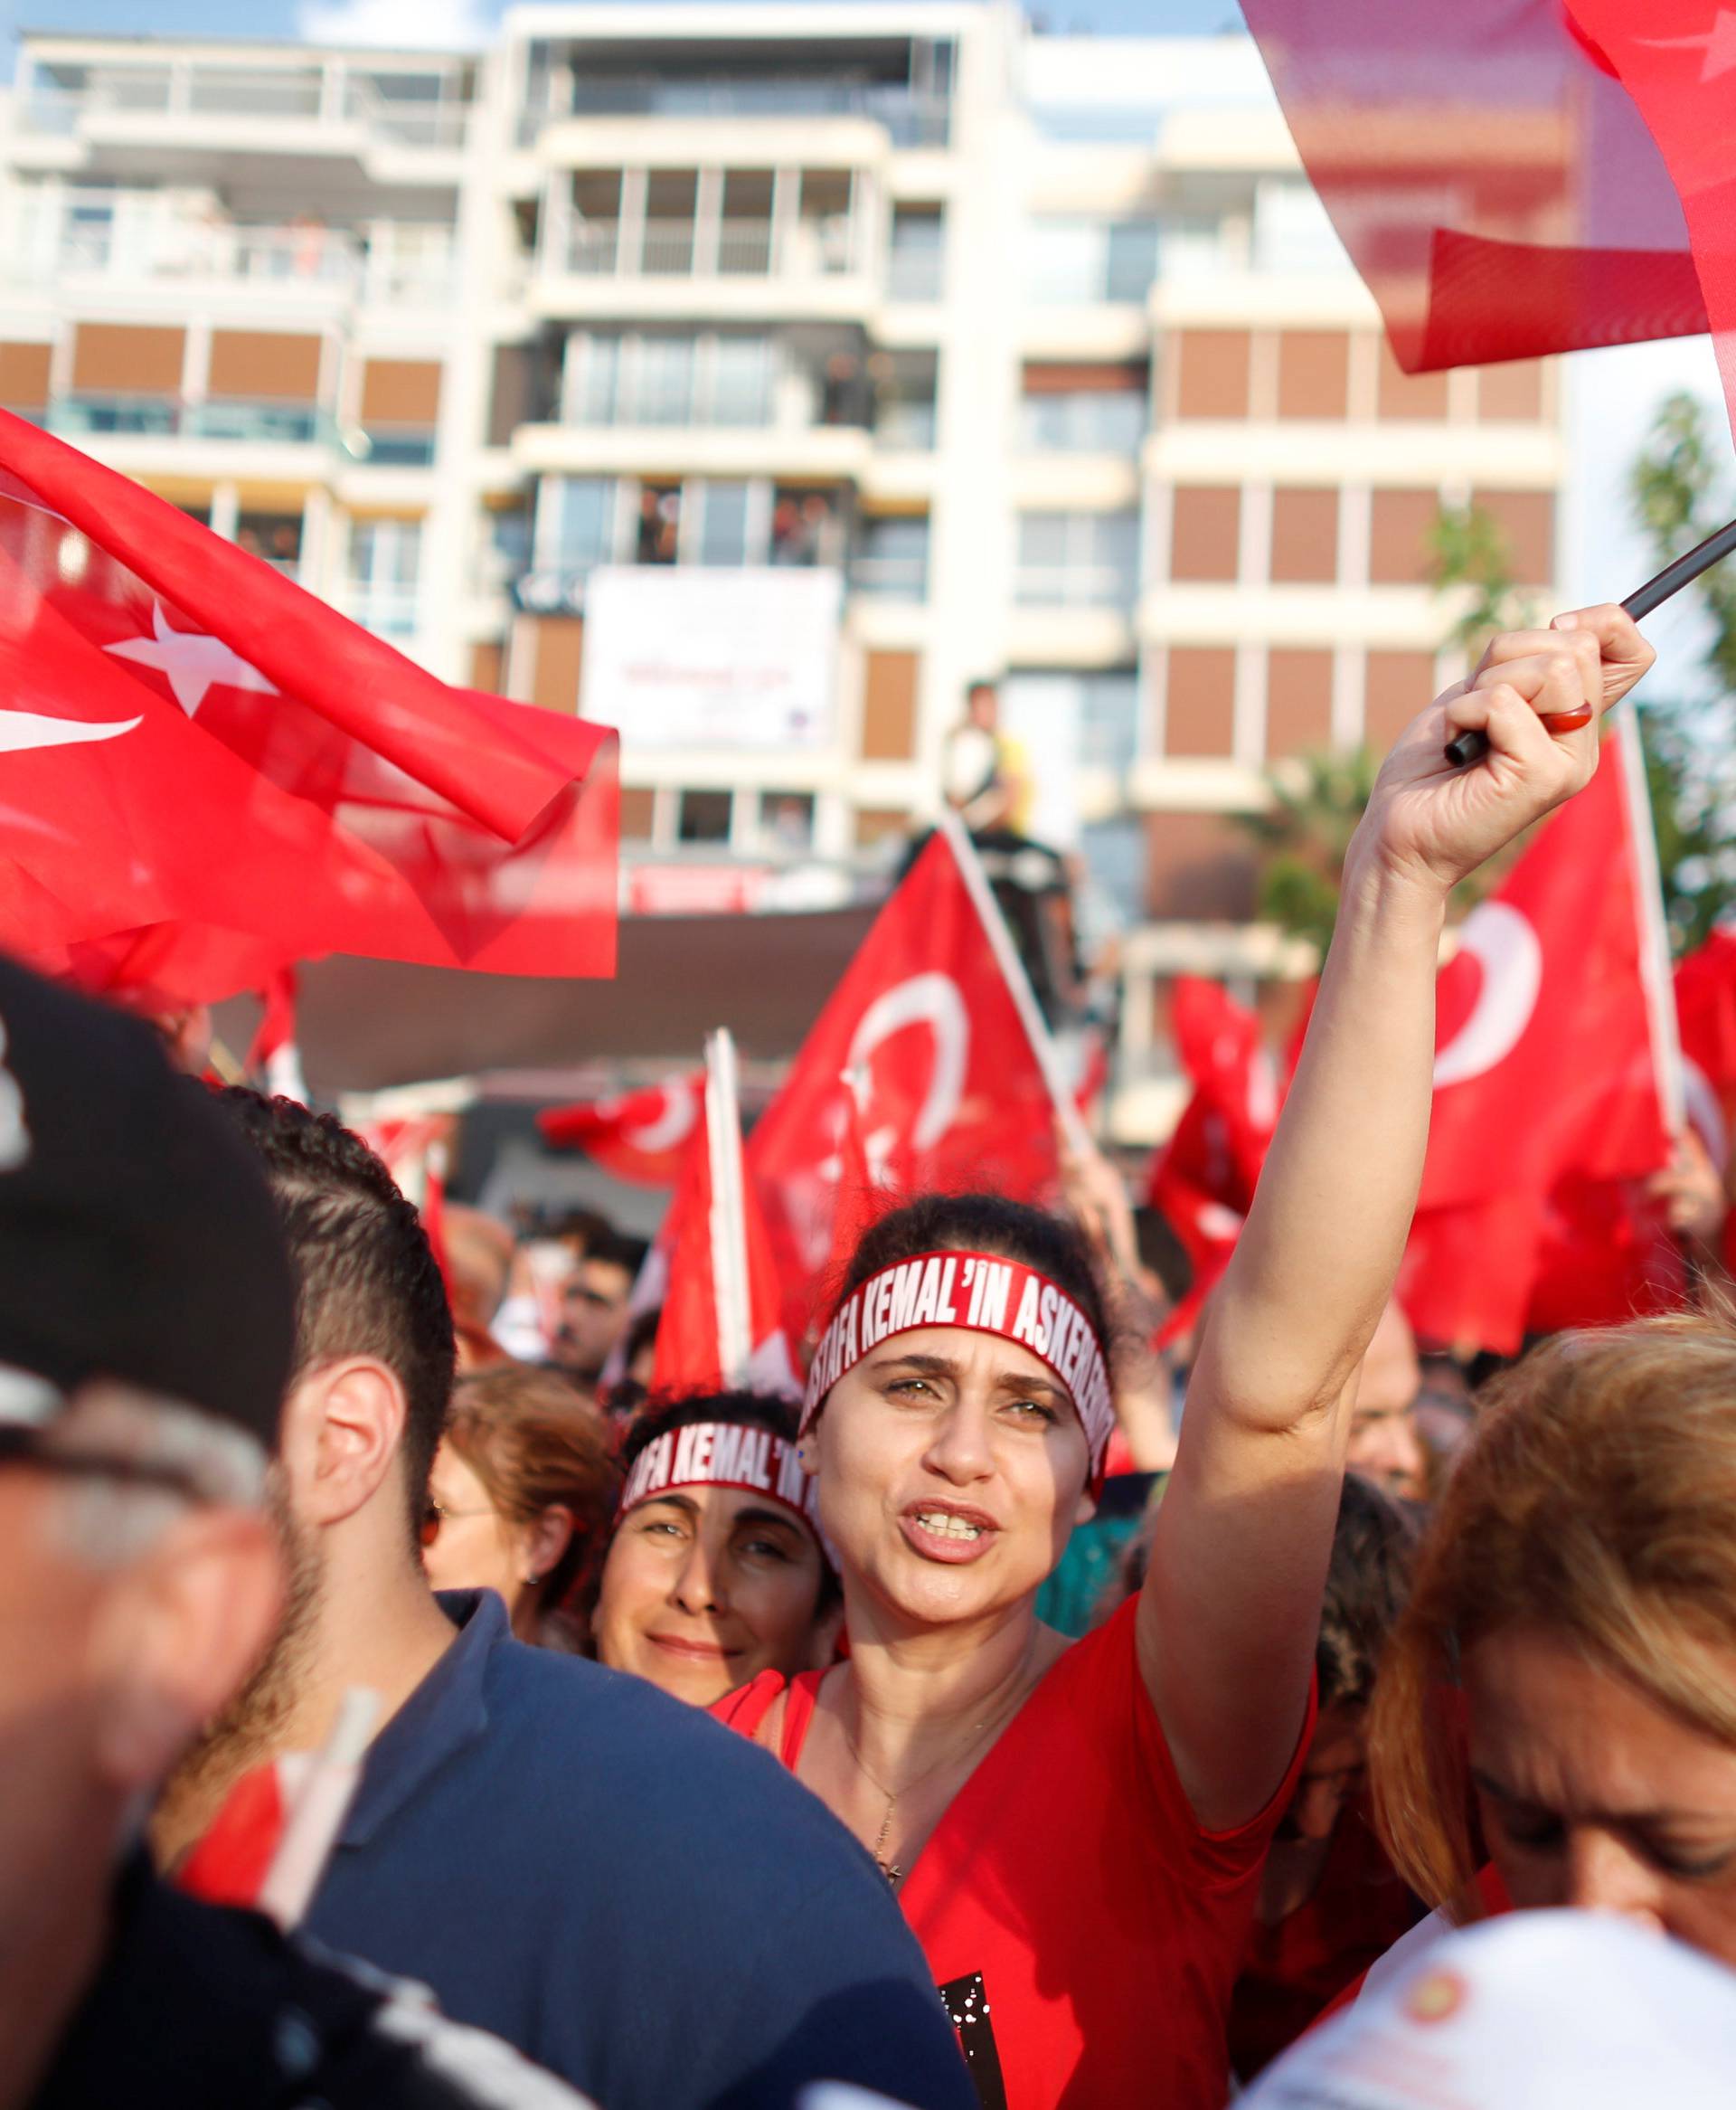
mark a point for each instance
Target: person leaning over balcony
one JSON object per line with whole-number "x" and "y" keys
{"x": 1076, "y": 1831}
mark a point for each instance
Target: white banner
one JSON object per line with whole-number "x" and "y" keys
{"x": 687, "y": 655}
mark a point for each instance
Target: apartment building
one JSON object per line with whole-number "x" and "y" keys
{"x": 757, "y": 374}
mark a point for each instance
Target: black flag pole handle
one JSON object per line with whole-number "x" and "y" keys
{"x": 1472, "y": 746}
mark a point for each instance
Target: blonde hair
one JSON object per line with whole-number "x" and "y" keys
{"x": 1597, "y": 1499}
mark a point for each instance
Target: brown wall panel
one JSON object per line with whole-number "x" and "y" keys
{"x": 1399, "y": 684}
{"x": 24, "y": 376}
{"x": 1513, "y": 391}
{"x": 1298, "y": 700}
{"x": 1200, "y": 705}
{"x": 1199, "y": 868}
{"x": 889, "y": 706}
{"x": 401, "y": 391}
{"x": 1408, "y": 396}
{"x": 1052, "y": 378}
{"x": 260, "y": 362}
{"x": 1527, "y": 519}
{"x": 1212, "y": 373}
{"x": 487, "y": 663}
{"x": 1205, "y": 536}
{"x": 1398, "y": 537}
{"x": 639, "y": 803}
{"x": 1304, "y": 537}
{"x": 121, "y": 358}
{"x": 875, "y": 823}
{"x": 1313, "y": 374}
{"x": 558, "y": 663}
{"x": 512, "y": 398}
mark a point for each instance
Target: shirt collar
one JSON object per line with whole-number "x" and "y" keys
{"x": 447, "y": 1711}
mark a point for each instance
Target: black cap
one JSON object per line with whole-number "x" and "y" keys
{"x": 138, "y": 1240}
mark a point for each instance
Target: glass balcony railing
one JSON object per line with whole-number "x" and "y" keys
{"x": 396, "y": 446}
{"x": 59, "y": 103}
{"x": 1075, "y": 586}
{"x": 685, "y": 248}
{"x": 903, "y": 577}
{"x": 164, "y": 416}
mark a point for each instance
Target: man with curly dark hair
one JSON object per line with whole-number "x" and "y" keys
{"x": 525, "y": 1819}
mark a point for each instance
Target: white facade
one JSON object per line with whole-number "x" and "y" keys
{"x": 1042, "y": 343}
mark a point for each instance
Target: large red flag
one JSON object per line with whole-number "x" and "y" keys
{"x": 1705, "y": 1001}
{"x": 722, "y": 1319}
{"x": 1490, "y": 176}
{"x": 943, "y": 1055}
{"x": 1203, "y": 1180}
{"x": 1547, "y": 1099}
{"x": 640, "y": 1137}
{"x": 206, "y": 773}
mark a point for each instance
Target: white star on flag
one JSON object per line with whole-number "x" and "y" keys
{"x": 1718, "y": 43}
{"x": 190, "y": 661}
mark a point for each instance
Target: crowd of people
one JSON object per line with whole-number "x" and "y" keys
{"x": 724, "y": 1749}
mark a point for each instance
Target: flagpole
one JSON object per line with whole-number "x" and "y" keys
{"x": 1018, "y": 983}
{"x": 1654, "y": 973}
{"x": 729, "y": 1218}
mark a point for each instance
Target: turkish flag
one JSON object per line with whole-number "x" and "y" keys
{"x": 1546, "y": 1102}
{"x": 640, "y": 1137}
{"x": 704, "y": 1248}
{"x": 1487, "y": 170}
{"x": 951, "y": 1091}
{"x": 1203, "y": 1180}
{"x": 207, "y": 774}
{"x": 1706, "y": 1003}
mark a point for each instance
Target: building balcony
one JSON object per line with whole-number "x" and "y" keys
{"x": 909, "y": 119}
{"x": 325, "y": 268}
{"x": 753, "y": 269}
{"x": 669, "y": 449}
{"x": 147, "y": 436}
{"x": 83, "y": 104}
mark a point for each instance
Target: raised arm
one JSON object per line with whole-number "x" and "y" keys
{"x": 1231, "y": 1607}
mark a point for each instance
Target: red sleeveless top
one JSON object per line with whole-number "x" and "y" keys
{"x": 1083, "y": 1928}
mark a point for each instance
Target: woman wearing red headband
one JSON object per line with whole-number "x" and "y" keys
{"x": 715, "y": 1571}
{"x": 1076, "y": 1832}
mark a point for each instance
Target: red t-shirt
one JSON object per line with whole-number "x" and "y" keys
{"x": 1071, "y": 1877}
{"x": 1298, "y": 1966}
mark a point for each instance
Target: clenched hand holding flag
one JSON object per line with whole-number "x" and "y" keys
{"x": 206, "y": 773}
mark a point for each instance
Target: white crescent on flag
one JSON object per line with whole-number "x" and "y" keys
{"x": 672, "y": 1126}
{"x": 1512, "y": 959}
{"x": 22, "y": 730}
{"x": 926, "y": 1000}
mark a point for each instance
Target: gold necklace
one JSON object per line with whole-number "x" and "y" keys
{"x": 893, "y": 1874}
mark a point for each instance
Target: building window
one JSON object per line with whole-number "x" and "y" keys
{"x": 575, "y": 523}
{"x": 275, "y": 536}
{"x": 1080, "y": 264}
{"x": 723, "y": 516}
{"x": 703, "y": 817}
{"x": 1083, "y": 409}
{"x": 1114, "y": 851}
{"x": 385, "y": 565}
{"x": 906, "y": 385}
{"x": 670, "y": 380}
{"x": 891, "y": 558}
{"x": 805, "y": 528}
{"x": 657, "y": 533}
{"x": 1078, "y": 560}
{"x": 917, "y": 263}
{"x": 785, "y": 824}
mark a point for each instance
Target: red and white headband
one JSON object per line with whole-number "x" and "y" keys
{"x": 721, "y": 1454}
{"x": 985, "y": 1294}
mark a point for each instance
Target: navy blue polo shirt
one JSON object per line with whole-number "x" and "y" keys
{"x": 640, "y": 1901}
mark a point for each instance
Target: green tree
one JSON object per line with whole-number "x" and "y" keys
{"x": 1681, "y": 493}
{"x": 1468, "y": 549}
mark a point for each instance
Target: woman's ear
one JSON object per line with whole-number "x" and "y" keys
{"x": 545, "y": 1540}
